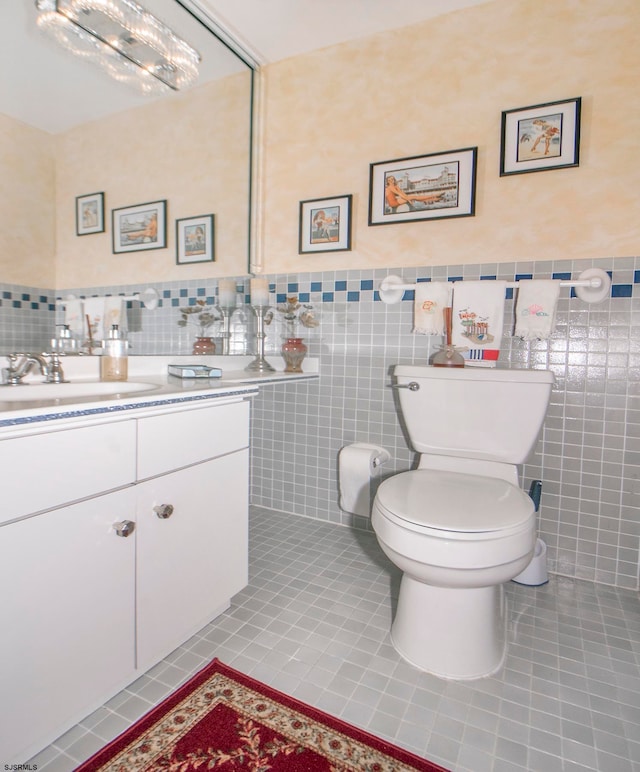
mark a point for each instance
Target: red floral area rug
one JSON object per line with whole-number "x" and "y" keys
{"x": 224, "y": 720}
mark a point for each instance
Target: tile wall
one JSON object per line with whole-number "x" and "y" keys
{"x": 26, "y": 317}
{"x": 588, "y": 456}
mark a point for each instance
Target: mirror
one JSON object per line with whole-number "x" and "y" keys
{"x": 67, "y": 129}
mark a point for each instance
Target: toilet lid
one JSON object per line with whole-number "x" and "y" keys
{"x": 454, "y": 502}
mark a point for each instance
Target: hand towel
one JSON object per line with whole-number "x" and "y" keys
{"x": 74, "y": 318}
{"x": 94, "y": 315}
{"x": 478, "y": 317}
{"x": 536, "y": 308}
{"x": 115, "y": 312}
{"x": 431, "y": 298}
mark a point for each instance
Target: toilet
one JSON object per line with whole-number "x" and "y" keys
{"x": 459, "y": 525}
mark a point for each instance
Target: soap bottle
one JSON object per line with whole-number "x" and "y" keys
{"x": 63, "y": 343}
{"x": 113, "y": 362}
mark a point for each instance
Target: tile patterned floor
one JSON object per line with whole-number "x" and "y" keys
{"x": 314, "y": 622}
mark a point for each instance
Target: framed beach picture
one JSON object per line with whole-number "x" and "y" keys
{"x": 426, "y": 187}
{"x": 140, "y": 227}
{"x": 89, "y": 214}
{"x": 194, "y": 239}
{"x": 541, "y": 137}
{"x": 325, "y": 225}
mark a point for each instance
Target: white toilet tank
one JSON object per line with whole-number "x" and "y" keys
{"x": 468, "y": 412}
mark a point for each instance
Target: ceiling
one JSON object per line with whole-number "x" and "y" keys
{"x": 277, "y": 29}
{"x": 51, "y": 89}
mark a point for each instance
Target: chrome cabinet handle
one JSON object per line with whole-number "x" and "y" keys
{"x": 163, "y": 511}
{"x": 124, "y": 528}
{"x": 412, "y": 386}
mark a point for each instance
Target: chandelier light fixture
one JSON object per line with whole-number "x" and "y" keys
{"x": 126, "y": 40}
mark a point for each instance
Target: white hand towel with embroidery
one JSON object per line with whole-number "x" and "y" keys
{"x": 115, "y": 312}
{"x": 94, "y": 315}
{"x": 431, "y": 298}
{"x": 536, "y": 308}
{"x": 478, "y": 317}
{"x": 74, "y": 318}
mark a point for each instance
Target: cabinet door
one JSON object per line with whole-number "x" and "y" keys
{"x": 67, "y": 607}
{"x": 190, "y": 563}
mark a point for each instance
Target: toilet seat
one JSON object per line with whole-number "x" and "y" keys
{"x": 425, "y": 499}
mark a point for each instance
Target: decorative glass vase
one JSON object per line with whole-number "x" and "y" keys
{"x": 294, "y": 351}
{"x": 204, "y": 345}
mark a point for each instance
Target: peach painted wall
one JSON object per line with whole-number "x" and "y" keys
{"x": 27, "y": 216}
{"x": 443, "y": 85}
{"x": 191, "y": 150}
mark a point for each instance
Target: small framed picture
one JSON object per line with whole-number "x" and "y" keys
{"x": 141, "y": 227}
{"x": 89, "y": 214}
{"x": 194, "y": 240}
{"x": 540, "y": 137}
{"x": 325, "y": 225}
{"x": 424, "y": 187}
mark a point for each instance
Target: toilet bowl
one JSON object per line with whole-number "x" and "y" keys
{"x": 456, "y": 538}
{"x": 460, "y": 526}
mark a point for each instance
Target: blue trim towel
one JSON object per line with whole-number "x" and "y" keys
{"x": 430, "y": 300}
{"x": 478, "y": 318}
{"x": 536, "y": 308}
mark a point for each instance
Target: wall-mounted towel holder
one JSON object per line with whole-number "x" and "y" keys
{"x": 592, "y": 286}
{"x": 149, "y": 298}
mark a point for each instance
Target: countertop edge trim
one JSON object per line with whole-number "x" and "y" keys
{"x": 75, "y": 413}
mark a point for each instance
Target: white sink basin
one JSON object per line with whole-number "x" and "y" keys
{"x": 38, "y": 392}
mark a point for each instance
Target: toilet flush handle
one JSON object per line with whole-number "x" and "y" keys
{"x": 412, "y": 386}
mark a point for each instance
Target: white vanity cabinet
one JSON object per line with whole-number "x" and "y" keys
{"x": 118, "y": 540}
{"x": 68, "y": 617}
{"x": 192, "y": 532}
{"x": 192, "y": 544}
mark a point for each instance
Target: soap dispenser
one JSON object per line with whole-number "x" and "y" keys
{"x": 113, "y": 362}
{"x": 64, "y": 343}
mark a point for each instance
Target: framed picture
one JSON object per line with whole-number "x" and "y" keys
{"x": 89, "y": 214}
{"x": 194, "y": 240}
{"x": 325, "y": 225}
{"x": 424, "y": 187}
{"x": 140, "y": 227}
{"x": 540, "y": 137}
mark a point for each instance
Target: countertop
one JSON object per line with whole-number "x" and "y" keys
{"x": 18, "y": 409}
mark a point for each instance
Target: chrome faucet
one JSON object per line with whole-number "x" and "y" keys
{"x": 20, "y": 364}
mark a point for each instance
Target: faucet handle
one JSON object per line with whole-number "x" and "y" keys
{"x": 19, "y": 365}
{"x": 55, "y": 373}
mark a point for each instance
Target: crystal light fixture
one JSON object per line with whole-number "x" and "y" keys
{"x": 130, "y": 43}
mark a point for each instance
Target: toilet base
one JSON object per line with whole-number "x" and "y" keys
{"x": 452, "y": 633}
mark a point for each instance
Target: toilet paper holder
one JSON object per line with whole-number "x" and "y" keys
{"x": 382, "y": 455}
{"x": 356, "y": 465}
{"x": 380, "y": 459}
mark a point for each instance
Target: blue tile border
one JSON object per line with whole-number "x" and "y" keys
{"x": 316, "y": 288}
{"x": 622, "y": 290}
